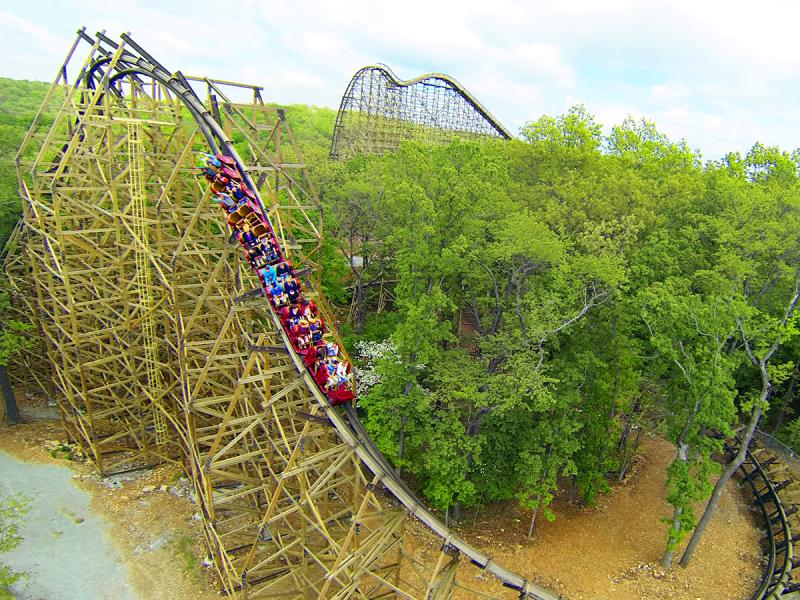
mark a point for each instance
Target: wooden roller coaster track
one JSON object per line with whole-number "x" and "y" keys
{"x": 161, "y": 346}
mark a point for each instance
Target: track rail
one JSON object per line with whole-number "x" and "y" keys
{"x": 403, "y": 107}
{"x": 349, "y": 427}
{"x": 778, "y": 549}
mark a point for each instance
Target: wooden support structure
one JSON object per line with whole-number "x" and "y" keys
{"x": 159, "y": 352}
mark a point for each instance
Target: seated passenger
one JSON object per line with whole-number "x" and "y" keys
{"x": 253, "y": 254}
{"x": 246, "y": 238}
{"x": 280, "y": 300}
{"x": 258, "y": 261}
{"x": 330, "y": 365}
{"x": 295, "y": 313}
{"x": 270, "y": 255}
{"x": 208, "y": 166}
{"x": 304, "y": 342}
{"x": 207, "y": 172}
{"x": 301, "y": 334}
{"x": 316, "y": 360}
{"x": 284, "y": 269}
{"x": 220, "y": 184}
{"x": 224, "y": 201}
{"x": 332, "y": 349}
{"x": 342, "y": 373}
{"x": 235, "y": 190}
{"x": 330, "y": 384}
{"x": 309, "y": 308}
{"x": 317, "y": 327}
{"x": 292, "y": 289}
{"x": 267, "y": 275}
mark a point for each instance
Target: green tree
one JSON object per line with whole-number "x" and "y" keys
{"x": 690, "y": 328}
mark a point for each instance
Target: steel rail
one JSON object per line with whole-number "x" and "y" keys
{"x": 351, "y": 430}
{"x": 779, "y": 551}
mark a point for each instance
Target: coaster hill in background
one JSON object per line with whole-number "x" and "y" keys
{"x": 378, "y": 111}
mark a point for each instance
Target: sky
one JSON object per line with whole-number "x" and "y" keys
{"x": 719, "y": 74}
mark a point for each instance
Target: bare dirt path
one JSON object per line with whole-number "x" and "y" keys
{"x": 612, "y": 551}
{"x": 66, "y": 549}
{"x": 150, "y": 532}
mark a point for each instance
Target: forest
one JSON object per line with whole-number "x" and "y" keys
{"x": 522, "y": 312}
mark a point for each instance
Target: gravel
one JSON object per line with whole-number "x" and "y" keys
{"x": 66, "y": 551}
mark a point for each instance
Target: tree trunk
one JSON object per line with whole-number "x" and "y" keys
{"x": 730, "y": 469}
{"x": 669, "y": 553}
{"x": 401, "y": 438}
{"x": 7, "y": 391}
{"x": 360, "y": 312}
{"x": 786, "y": 400}
{"x": 455, "y": 513}
{"x": 766, "y": 385}
{"x": 533, "y": 516}
{"x": 683, "y": 456}
{"x": 12, "y": 412}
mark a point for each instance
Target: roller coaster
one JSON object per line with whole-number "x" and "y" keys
{"x": 166, "y": 340}
{"x": 164, "y": 346}
{"x": 379, "y": 110}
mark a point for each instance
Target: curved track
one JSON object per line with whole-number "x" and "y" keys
{"x": 378, "y": 109}
{"x": 778, "y": 546}
{"x": 131, "y": 60}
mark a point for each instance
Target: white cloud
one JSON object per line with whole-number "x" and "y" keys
{"x": 720, "y": 74}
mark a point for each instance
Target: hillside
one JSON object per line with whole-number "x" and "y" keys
{"x": 20, "y": 101}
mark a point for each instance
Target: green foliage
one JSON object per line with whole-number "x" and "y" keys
{"x": 13, "y": 332}
{"x": 603, "y": 280}
{"x": 546, "y": 298}
{"x": 12, "y": 510}
{"x": 789, "y": 434}
{"x": 19, "y": 103}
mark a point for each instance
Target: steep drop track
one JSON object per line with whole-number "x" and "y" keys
{"x": 282, "y": 508}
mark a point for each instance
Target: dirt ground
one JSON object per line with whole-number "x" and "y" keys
{"x": 150, "y": 518}
{"x": 610, "y": 551}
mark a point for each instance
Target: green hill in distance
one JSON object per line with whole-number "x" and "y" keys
{"x": 20, "y": 100}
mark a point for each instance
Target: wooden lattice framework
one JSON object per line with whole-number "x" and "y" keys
{"x": 162, "y": 348}
{"x": 379, "y": 110}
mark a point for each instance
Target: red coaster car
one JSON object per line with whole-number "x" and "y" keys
{"x": 340, "y": 396}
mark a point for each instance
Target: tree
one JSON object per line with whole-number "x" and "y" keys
{"x": 690, "y": 326}
{"x": 13, "y": 339}
{"x": 758, "y": 253}
{"x": 759, "y": 349}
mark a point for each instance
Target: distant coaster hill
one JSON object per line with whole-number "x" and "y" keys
{"x": 379, "y": 110}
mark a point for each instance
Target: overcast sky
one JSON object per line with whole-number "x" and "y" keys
{"x": 719, "y": 74}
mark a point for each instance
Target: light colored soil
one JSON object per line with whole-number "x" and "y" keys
{"x": 152, "y": 533}
{"x": 610, "y": 551}
{"x": 66, "y": 551}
